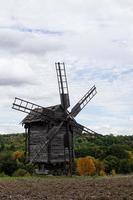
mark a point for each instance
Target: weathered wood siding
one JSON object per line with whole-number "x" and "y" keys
{"x": 37, "y": 136}
{"x": 57, "y": 153}
{"x": 54, "y": 153}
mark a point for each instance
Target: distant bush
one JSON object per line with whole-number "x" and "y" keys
{"x": 7, "y": 165}
{"x": 21, "y": 172}
{"x": 29, "y": 168}
{"x": 126, "y": 166}
{"x": 17, "y": 155}
{"x": 2, "y": 174}
{"x": 111, "y": 162}
{"x": 99, "y": 166}
{"x": 102, "y": 173}
{"x": 113, "y": 172}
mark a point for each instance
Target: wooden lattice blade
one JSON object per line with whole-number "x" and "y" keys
{"x": 28, "y": 107}
{"x": 83, "y": 101}
{"x": 80, "y": 129}
{"x": 63, "y": 85}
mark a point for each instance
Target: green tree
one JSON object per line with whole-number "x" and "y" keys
{"x": 126, "y": 166}
{"x": 7, "y": 164}
{"x": 111, "y": 162}
{"x": 118, "y": 151}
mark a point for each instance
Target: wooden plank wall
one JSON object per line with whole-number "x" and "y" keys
{"x": 56, "y": 152}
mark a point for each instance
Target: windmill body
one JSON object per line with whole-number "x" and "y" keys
{"x": 37, "y": 127}
{"x": 50, "y": 131}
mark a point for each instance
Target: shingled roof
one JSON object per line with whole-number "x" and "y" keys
{"x": 39, "y": 114}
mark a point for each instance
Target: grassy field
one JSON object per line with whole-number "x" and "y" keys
{"x": 62, "y": 188}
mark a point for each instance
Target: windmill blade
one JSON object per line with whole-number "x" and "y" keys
{"x": 63, "y": 85}
{"x": 44, "y": 143}
{"x": 90, "y": 132}
{"x": 81, "y": 130}
{"x": 83, "y": 102}
{"x": 28, "y": 107}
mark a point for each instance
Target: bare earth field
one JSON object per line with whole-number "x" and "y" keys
{"x": 59, "y": 188}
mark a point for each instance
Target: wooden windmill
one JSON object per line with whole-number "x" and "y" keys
{"x": 50, "y": 130}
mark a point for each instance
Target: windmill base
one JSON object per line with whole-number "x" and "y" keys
{"x": 55, "y": 169}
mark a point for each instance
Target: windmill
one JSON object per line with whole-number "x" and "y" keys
{"x": 50, "y": 130}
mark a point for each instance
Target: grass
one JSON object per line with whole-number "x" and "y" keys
{"x": 73, "y": 178}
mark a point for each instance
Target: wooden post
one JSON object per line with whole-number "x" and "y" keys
{"x": 70, "y": 149}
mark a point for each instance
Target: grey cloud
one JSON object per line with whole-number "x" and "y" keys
{"x": 12, "y": 41}
{"x": 34, "y": 30}
{"x": 14, "y": 82}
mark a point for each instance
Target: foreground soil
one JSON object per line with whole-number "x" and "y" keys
{"x": 51, "y": 188}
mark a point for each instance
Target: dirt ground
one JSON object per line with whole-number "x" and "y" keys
{"x": 117, "y": 188}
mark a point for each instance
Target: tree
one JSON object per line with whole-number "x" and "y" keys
{"x": 111, "y": 162}
{"x": 99, "y": 166}
{"x": 126, "y": 166}
{"x": 85, "y": 166}
{"x": 7, "y": 164}
{"x": 118, "y": 151}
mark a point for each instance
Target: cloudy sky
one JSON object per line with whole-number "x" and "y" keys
{"x": 95, "y": 40}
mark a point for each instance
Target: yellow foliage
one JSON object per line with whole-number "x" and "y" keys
{"x": 113, "y": 173}
{"x": 130, "y": 154}
{"x": 17, "y": 154}
{"x": 102, "y": 173}
{"x": 99, "y": 166}
{"x": 85, "y": 166}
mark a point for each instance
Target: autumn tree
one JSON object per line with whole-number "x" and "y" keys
{"x": 17, "y": 155}
{"x": 85, "y": 166}
{"x": 99, "y": 165}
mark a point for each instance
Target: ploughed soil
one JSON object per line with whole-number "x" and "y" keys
{"x": 59, "y": 188}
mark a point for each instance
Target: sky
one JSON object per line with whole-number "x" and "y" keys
{"x": 95, "y": 40}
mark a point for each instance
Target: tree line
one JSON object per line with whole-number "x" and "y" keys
{"x": 98, "y": 155}
{"x": 113, "y": 153}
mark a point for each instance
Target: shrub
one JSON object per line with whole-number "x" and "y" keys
{"x": 126, "y": 166}
{"x": 17, "y": 155}
{"x": 102, "y": 173}
{"x": 85, "y": 166}
{"x": 20, "y": 172}
{"x": 2, "y": 174}
{"x": 111, "y": 162}
{"x": 7, "y": 165}
{"x": 99, "y": 166}
{"x": 113, "y": 172}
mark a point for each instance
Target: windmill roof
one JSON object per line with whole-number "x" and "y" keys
{"x": 38, "y": 114}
